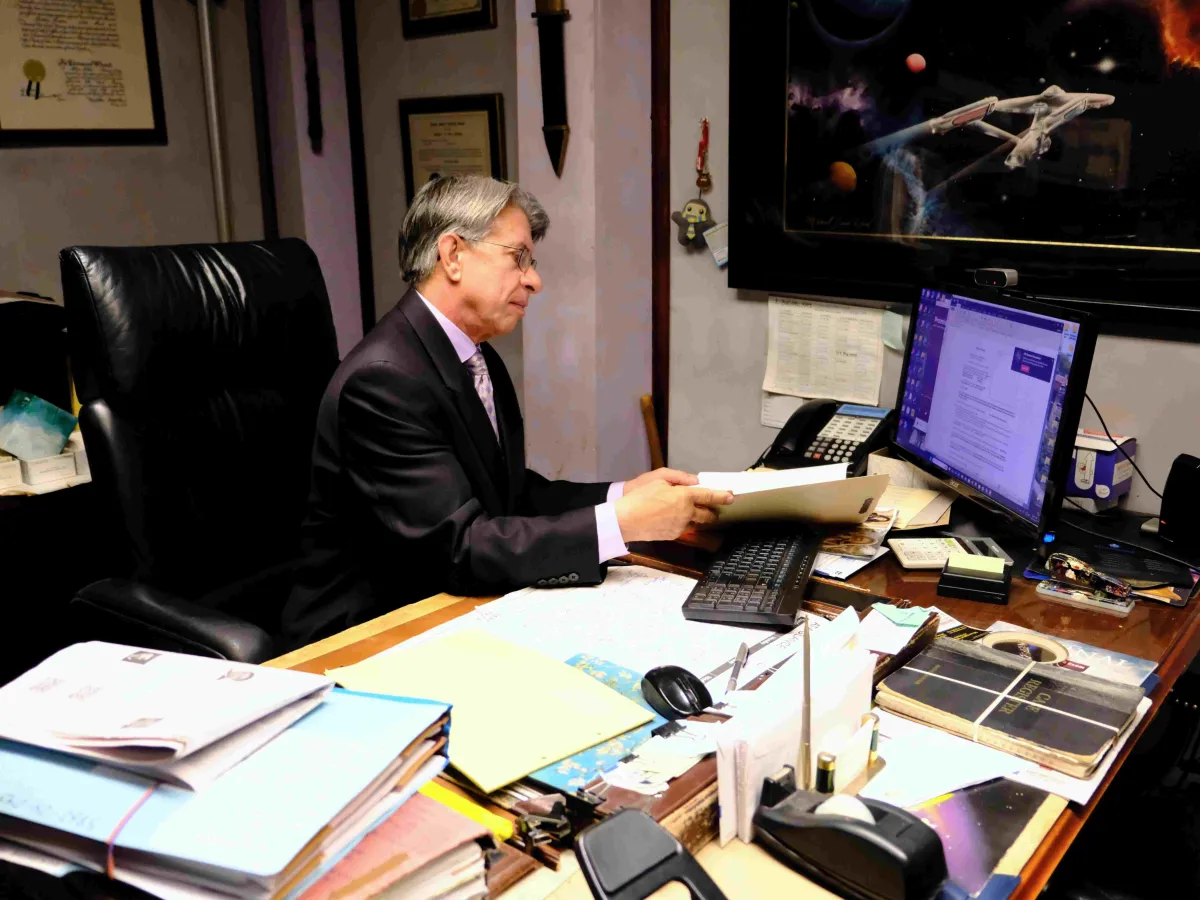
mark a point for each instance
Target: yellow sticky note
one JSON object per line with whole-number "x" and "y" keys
{"x": 514, "y": 710}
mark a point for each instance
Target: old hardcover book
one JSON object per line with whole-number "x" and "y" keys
{"x": 1063, "y": 720}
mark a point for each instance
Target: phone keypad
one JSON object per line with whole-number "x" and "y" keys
{"x": 840, "y": 438}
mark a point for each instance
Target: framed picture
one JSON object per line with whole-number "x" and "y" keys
{"x": 80, "y": 74}
{"x": 425, "y": 18}
{"x": 914, "y": 143}
{"x": 451, "y": 135}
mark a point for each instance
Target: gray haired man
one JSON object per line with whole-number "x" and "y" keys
{"x": 419, "y": 482}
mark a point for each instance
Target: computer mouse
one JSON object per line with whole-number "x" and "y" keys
{"x": 675, "y": 693}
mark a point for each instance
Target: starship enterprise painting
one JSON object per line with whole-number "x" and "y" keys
{"x": 1072, "y": 123}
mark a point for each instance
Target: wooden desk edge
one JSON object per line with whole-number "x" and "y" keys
{"x": 361, "y": 641}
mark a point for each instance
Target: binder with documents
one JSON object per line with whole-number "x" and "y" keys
{"x": 267, "y": 827}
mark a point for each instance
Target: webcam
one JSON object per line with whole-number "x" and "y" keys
{"x": 996, "y": 278}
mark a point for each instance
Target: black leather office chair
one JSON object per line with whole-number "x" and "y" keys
{"x": 199, "y": 369}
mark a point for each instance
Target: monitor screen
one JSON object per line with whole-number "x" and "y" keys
{"x": 983, "y": 396}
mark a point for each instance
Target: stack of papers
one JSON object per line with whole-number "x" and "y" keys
{"x": 195, "y": 777}
{"x": 173, "y": 717}
{"x": 424, "y": 849}
{"x": 270, "y": 826}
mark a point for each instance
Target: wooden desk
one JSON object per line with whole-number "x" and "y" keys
{"x": 1166, "y": 634}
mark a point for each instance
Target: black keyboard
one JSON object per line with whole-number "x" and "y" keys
{"x": 758, "y": 578}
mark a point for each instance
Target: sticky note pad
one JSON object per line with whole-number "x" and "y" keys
{"x": 974, "y": 564}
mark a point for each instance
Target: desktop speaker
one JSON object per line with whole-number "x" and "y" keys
{"x": 1179, "y": 517}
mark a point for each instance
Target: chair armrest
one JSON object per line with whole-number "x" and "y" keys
{"x": 135, "y": 612}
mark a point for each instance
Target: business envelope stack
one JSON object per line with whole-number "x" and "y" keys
{"x": 270, "y": 814}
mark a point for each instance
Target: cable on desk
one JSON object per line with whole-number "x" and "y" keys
{"x": 1153, "y": 490}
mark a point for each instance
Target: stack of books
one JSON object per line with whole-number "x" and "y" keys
{"x": 193, "y": 777}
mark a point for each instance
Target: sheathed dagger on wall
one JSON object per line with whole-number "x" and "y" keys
{"x": 550, "y": 15}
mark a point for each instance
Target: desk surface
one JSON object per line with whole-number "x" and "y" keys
{"x": 1169, "y": 635}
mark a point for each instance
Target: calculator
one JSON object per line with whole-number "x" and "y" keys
{"x": 925, "y": 553}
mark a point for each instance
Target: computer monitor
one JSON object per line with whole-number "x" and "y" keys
{"x": 990, "y": 397}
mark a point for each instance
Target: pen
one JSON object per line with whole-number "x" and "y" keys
{"x": 738, "y": 662}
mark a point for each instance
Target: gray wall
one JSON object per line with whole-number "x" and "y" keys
{"x": 391, "y": 69}
{"x": 719, "y": 336}
{"x": 55, "y": 197}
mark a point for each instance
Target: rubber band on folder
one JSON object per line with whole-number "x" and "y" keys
{"x": 110, "y": 863}
{"x": 1003, "y": 695}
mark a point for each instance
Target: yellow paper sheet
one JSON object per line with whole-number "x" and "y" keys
{"x": 515, "y": 710}
{"x": 907, "y": 502}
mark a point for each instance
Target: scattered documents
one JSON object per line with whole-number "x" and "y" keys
{"x": 596, "y": 620}
{"x": 817, "y": 349}
{"x": 184, "y": 719}
{"x": 777, "y": 647}
{"x": 921, "y": 762}
{"x": 834, "y": 565}
{"x": 903, "y": 473}
{"x": 908, "y": 502}
{"x": 267, "y": 826}
{"x": 945, "y": 620}
{"x": 572, "y": 710}
{"x": 813, "y": 494}
{"x": 778, "y": 408}
{"x": 879, "y": 633}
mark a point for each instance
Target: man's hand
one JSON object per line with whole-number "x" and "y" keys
{"x": 661, "y": 511}
{"x": 667, "y": 476}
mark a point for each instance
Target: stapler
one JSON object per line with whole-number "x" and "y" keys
{"x": 894, "y": 857}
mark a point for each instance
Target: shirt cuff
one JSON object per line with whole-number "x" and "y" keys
{"x": 616, "y": 491}
{"x": 608, "y": 532}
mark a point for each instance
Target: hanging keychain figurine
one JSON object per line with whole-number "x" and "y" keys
{"x": 696, "y": 218}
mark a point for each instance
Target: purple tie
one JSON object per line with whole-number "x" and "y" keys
{"x": 483, "y": 387}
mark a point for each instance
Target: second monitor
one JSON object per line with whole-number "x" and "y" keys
{"x": 990, "y": 398}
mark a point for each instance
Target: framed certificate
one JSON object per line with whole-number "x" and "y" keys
{"x": 79, "y": 74}
{"x": 451, "y": 135}
{"x": 425, "y": 18}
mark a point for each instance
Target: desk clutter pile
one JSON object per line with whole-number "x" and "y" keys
{"x": 197, "y": 778}
{"x": 191, "y": 777}
{"x": 39, "y": 450}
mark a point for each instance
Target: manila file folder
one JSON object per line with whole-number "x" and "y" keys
{"x": 820, "y": 494}
{"x": 498, "y": 731}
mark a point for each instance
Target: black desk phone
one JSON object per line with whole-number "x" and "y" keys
{"x": 826, "y": 431}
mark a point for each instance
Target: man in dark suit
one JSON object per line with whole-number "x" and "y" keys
{"x": 419, "y": 481}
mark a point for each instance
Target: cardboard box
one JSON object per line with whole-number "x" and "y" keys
{"x": 48, "y": 468}
{"x": 1099, "y": 471}
{"x": 75, "y": 445}
{"x": 10, "y": 472}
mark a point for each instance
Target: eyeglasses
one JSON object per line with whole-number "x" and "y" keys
{"x": 524, "y": 261}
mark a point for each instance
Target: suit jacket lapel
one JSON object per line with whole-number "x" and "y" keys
{"x": 457, "y": 377}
